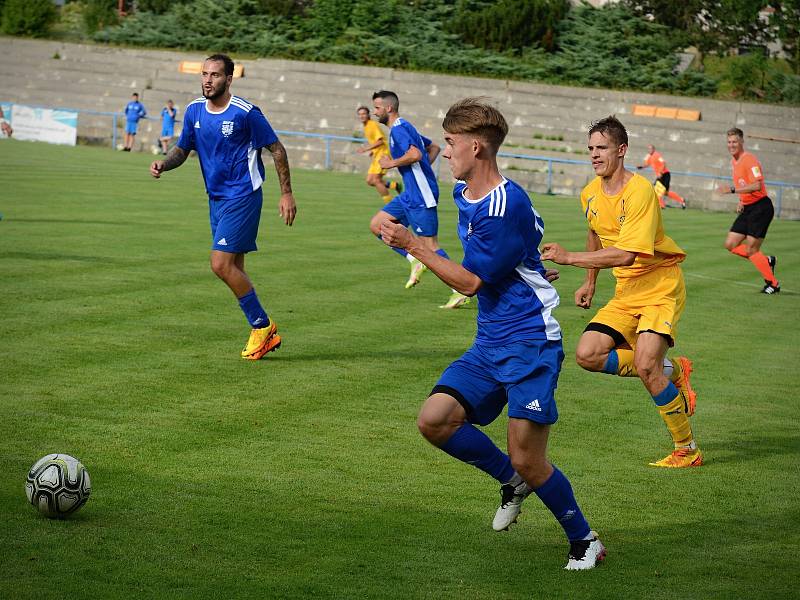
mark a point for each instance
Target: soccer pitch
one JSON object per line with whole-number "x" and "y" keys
{"x": 303, "y": 475}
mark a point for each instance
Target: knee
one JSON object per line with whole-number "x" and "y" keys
{"x": 647, "y": 369}
{"x": 220, "y": 268}
{"x": 589, "y": 359}
{"x": 375, "y": 226}
{"x": 436, "y": 432}
{"x": 535, "y": 470}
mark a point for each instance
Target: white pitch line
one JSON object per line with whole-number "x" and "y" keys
{"x": 753, "y": 285}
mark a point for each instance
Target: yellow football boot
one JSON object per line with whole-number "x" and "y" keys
{"x": 456, "y": 300}
{"x": 680, "y": 459}
{"x": 417, "y": 269}
{"x": 261, "y": 341}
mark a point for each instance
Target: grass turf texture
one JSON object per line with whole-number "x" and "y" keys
{"x": 303, "y": 474}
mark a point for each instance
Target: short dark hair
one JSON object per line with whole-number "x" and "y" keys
{"x": 612, "y": 128}
{"x": 737, "y": 132}
{"x": 224, "y": 59}
{"x": 390, "y": 98}
{"x": 476, "y": 116}
{"x": 135, "y": 94}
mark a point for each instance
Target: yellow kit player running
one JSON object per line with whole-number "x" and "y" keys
{"x": 377, "y": 147}
{"x": 630, "y": 336}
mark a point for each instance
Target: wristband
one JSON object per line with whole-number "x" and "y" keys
{"x": 733, "y": 190}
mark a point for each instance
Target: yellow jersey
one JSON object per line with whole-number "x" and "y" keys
{"x": 631, "y": 220}
{"x": 373, "y": 133}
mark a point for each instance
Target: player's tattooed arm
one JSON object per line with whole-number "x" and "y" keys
{"x": 281, "y": 166}
{"x": 176, "y": 157}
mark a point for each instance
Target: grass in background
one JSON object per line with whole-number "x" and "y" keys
{"x": 303, "y": 474}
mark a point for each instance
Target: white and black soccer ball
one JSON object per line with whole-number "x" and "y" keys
{"x": 58, "y": 485}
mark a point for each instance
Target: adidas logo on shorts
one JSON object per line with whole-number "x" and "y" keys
{"x": 534, "y": 405}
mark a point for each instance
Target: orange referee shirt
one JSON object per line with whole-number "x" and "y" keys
{"x": 656, "y": 161}
{"x": 747, "y": 170}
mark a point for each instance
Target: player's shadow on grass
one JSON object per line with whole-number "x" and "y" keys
{"x": 71, "y": 221}
{"x": 50, "y": 256}
{"x": 743, "y": 449}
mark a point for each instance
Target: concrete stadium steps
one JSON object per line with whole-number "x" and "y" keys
{"x": 322, "y": 98}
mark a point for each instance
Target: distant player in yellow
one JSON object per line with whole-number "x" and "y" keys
{"x": 377, "y": 147}
{"x": 630, "y": 335}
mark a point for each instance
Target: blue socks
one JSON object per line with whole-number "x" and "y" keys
{"x": 400, "y": 251}
{"x": 612, "y": 363}
{"x": 667, "y": 395}
{"x": 251, "y": 307}
{"x": 557, "y": 495}
{"x": 470, "y": 445}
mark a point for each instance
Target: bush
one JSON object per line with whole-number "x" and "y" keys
{"x": 28, "y": 17}
{"x": 784, "y": 87}
{"x": 509, "y": 24}
{"x": 99, "y": 14}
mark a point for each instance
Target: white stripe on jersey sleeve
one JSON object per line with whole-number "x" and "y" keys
{"x": 548, "y": 296}
{"x": 238, "y": 102}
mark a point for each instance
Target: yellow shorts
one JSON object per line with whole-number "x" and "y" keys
{"x": 650, "y": 302}
{"x": 375, "y": 167}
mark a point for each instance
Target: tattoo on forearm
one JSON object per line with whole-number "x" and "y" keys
{"x": 175, "y": 158}
{"x": 281, "y": 167}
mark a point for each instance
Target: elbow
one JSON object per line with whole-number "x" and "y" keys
{"x": 471, "y": 288}
{"x": 629, "y": 259}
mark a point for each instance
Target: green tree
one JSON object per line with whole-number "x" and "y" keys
{"x": 28, "y": 17}
{"x": 508, "y": 24}
{"x": 786, "y": 21}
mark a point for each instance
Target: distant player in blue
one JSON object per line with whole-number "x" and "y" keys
{"x": 412, "y": 154}
{"x": 228, "y": 134}
{"x": 168, "y": 115}
{"x": 517, "y": 354}
{"x": 134, "y": 111}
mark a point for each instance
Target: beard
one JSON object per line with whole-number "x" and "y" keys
{"x": 383, "y": 119}
{"x": 214, "y": 93}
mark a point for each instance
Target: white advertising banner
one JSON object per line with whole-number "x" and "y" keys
{"x": 44, "y": 124}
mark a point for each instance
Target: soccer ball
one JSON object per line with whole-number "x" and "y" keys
{"x": 58, "y": 485}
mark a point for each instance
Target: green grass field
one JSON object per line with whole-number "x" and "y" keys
{"x": 303, "y": 475}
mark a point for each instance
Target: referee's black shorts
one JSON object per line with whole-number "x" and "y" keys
{"x": 755, "y": 218}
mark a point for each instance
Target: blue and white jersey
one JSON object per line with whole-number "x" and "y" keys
{"x": 134, "y": 111}
{"x": 501, "y": 233}
{"x": 421, "y": 188}
{"x": 229, "y": 144}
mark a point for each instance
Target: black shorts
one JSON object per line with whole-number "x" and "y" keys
{"x": 664, "y": 179}
{"x": 754, "y": 220}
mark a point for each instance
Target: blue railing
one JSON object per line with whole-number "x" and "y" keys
{"x": 328, "y": 138}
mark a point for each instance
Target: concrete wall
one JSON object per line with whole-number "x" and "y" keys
{"x": 322, "y": 98}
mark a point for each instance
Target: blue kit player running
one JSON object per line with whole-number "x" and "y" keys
{"x": 228, "y": 134}
{"x": 134, "y": 111}
{"x": 415, "y": 208}
{"x": 517, "y": 354}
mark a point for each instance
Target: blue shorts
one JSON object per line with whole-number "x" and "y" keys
{"x": 130, "y": 127}
{"x": 168, "y": 131}
{"x": 234, "y": 223}
{"x": 523, "y": 375}
{"x": 422, "y": 221}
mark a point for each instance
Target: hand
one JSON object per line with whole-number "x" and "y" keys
{"x": 361, "y": 149}
{"x": 287, "y": 208}
{"x": 396, "y": 234}
{"x": 584, "y": 295}
{"x": 156, "y": 168}
{"x": 385, "y": 162}
{"x": 739, "y": 207}
{"x": 551, "y": 275}
{"x": 555, "y": 252}
{"x": 723, "y": 189}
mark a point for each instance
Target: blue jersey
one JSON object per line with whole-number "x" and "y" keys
{"x": 167, "y": 118}
{"x": 500, "y": 234}
{"x": 229, "y": 145}
{"x": 134, "y": 111}
{"x": 419, "y": 181}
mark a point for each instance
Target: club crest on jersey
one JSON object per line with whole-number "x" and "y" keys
{"x": 227, "y": 128}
